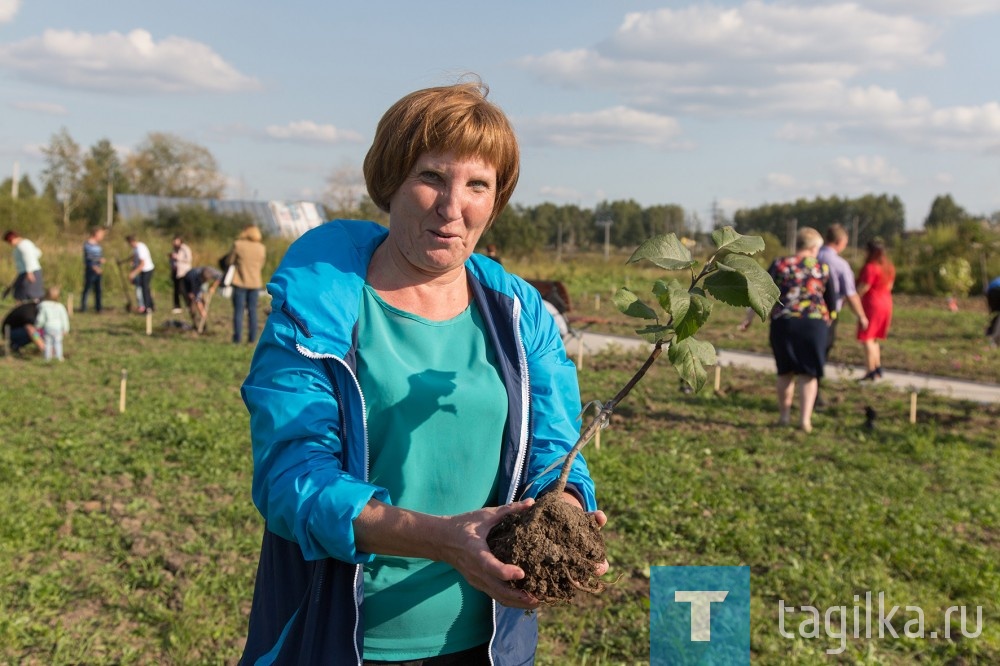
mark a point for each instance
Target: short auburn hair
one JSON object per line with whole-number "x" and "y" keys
{"x": 455, "y": 118}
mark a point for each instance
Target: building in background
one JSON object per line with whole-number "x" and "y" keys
{"x": 281, "y": 218}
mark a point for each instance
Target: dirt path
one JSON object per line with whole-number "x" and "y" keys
{"x": 906, "y": 381}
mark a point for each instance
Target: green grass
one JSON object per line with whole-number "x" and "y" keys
{"x": 130, "y": 538}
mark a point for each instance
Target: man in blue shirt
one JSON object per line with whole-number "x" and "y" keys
{"x": 93, "y": 268}
{"x": 842, "y": 276}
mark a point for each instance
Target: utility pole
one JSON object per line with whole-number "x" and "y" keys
{"x": 13, "y": 193}
{"x": 111, "y": 199}
{"x": 791, "y": 231}
{"x": 559, "y": 226}
{"x": 604, "y": 220}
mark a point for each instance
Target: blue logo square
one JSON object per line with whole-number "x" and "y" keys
{"x": 699, "y": 616}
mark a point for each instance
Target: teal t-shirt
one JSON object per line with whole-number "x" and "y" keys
{"x": 436, "y": 409}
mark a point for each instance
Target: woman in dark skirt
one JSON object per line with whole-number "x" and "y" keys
{"x": 800, "y": 323}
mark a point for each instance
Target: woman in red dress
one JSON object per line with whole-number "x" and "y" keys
{"x": 875, "y": 288}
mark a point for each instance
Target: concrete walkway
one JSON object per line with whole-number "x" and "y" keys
{"x": 907, "y": 381}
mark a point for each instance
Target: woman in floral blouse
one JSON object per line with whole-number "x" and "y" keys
{"x": 800, "y": 323}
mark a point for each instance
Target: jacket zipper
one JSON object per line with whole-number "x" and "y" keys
{"x": 364, "y": 420}
{"x": 522, "y": 360}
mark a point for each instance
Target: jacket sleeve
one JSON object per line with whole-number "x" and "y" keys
{"x": 300, "y": 482}
{"x": 555, "y": 405}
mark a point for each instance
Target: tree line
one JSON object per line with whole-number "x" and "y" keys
{"x": 75, "y": 186}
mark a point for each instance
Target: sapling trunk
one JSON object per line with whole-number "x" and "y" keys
{"x": 603, "y": 415}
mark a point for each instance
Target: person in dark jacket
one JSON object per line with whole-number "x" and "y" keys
{"x": 19, "y": 327}
{"x": 405, "y": 395}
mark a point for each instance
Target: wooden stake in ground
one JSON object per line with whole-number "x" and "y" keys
{"x": 149, "y": 322}
{"x": 913, "y": 406}
{"x": 69, "y": 304}
{"x": 718, "y": 377}
{"x": 121, "y": 392}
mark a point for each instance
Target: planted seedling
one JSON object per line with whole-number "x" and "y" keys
{"x": 558, "y": 546}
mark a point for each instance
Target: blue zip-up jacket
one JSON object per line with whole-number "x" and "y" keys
{"x": 310, "y": 443}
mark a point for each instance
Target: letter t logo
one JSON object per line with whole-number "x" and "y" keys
{"x": 701, "y": 610}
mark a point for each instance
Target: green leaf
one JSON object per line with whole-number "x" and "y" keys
{"x": 654, "y": 333}
{"x": 629, "y": 304}
{"x": 698, "y": 313}
{"x": 740, "y": 281}
{"x": 673, "y": 298}
{"x": 729, "y": 240}
{"x": 666, "y": 251}
{"x": 689, "y": 357}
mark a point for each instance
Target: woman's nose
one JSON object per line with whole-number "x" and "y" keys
{"x": 449, "y": 205}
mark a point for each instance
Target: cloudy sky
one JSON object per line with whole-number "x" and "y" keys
{"x": 737, "y": 103}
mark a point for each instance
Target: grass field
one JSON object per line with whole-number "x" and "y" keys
{"x": 130, "y": 538}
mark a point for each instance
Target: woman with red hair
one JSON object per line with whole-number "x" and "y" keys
{"x": 875, "y": 288}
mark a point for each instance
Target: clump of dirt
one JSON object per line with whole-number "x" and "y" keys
{"x": 556, "y": 544}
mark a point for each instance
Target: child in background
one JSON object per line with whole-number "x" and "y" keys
{"x": 53, "y": 320}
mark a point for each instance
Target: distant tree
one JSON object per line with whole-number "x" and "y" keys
{"x": 168, "y": 166}
{"x": 196, "y": 222}
{"x": 943, "y": 211}
{"x": 345, "y": 190}
{"x": 515, "y": 234}
{"x": 870, "y": 216}
{"x": 63, "y": 173}
{"x": 100, "y": 166}
{"x": 25, "y": 188}
{"x": 665, "y": 219}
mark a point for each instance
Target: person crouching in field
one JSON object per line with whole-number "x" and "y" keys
{"x": 198, "y": 284}
{"x": 19, "y": 327}
{"x": 53, "y": 321}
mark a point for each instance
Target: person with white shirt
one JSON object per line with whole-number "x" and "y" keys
{"x": 28, "y": 285}
{"x": 142, "y": 271}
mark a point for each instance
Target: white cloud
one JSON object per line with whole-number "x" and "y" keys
{"x": 707, "y": 52}
{"x": 8, "y": 9}
{"x": 812, "y": 66}
{"x": 34, "y": 150}
{"x": 557, "y": 193}
{"x": 774, "y": 34}
{"x": 606, "y": 127}
{"x": 123, "y": 63}
{"x": 866, "y": 173}
{"x": 47, "y": 108}
{"x": 307, "y": 131}
{"x": 944, "y": 7}
{"x": 780, "y": 181}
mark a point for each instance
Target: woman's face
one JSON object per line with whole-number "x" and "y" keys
{"x": 440, "y": 211}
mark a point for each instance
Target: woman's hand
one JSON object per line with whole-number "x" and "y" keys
{"x": 459, "y": 541}
{"x": 468, "y": 553}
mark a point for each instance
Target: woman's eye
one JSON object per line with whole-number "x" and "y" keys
{"x": 480, "y": 185}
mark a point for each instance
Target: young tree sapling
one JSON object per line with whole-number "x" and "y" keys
{"x": 558, "y": 546}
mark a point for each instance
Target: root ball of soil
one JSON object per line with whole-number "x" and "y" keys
{"x": 556, "y": 544}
